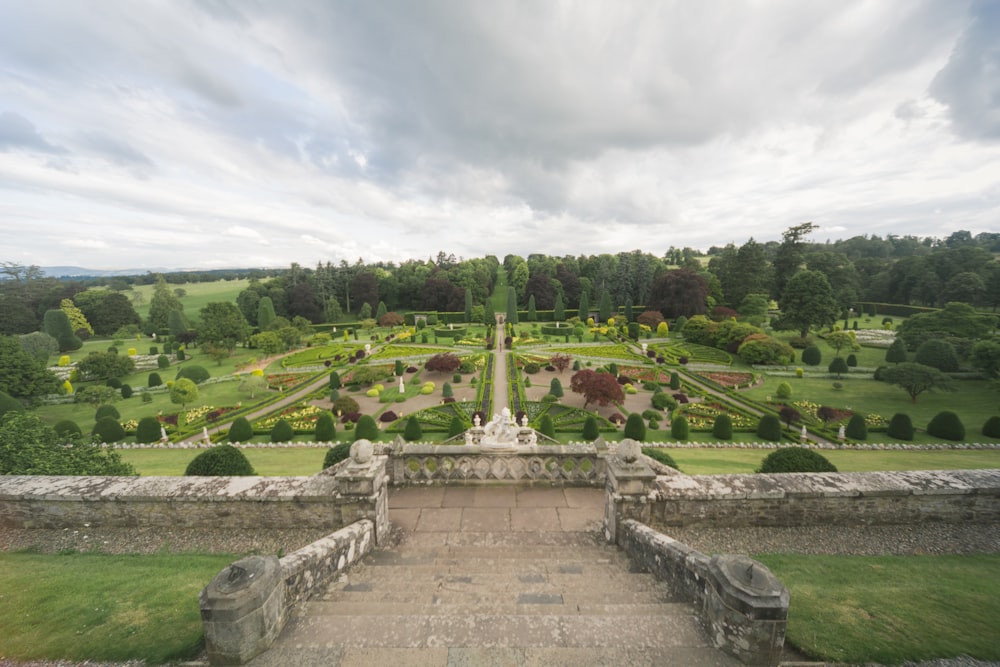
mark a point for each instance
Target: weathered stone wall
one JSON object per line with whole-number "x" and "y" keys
{"x": 549, "y": 465}
{"x": 315, "y": 564}
{"x": 743, "y": 605}
{"x": 180, "y": 502}
{"x": 798, "y": 499}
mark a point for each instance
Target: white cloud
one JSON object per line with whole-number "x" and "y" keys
{"x": 85, "y": 243}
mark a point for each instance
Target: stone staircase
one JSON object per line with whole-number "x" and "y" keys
{"x": 495, "y": 598}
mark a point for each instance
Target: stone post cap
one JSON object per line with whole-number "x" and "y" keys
{"x": 239, "y": 588}
{"x": 748, "y": 586}
{"x": 362, "y": 451}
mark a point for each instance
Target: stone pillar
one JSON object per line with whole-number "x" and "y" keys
{"x": 242, "y": 610}
{"x": 746, "y": 608}
{"x": 628, "y": 483}
{"x": 365, "y": 478}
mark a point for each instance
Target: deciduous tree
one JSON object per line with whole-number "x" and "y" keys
{"x": 807, "y": 301}
{"x": 915, "y": 378}
{"x": 223, "y": 325}
{"x": 600, "y": 388}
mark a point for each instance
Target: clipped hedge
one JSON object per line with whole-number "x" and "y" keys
{"x": 722, "y": 428}
{"x": 107, "y": 429}
{"x": 336, "y": 454}
{"x": 193, "y": 372}
{"x": 148, "y": 430}
{"x": 946, "y": 424}
{"x": 769, "y": 428}
{"x": 106, "y": 411}
{"x": 66, "y": 428}
{"x": 220, "y": 461}
{"x": 282, "y": 431}
{"x": 991, "y": 429}
{"x": 634, "y": 427}
{"x": 900, "y": 427}
{"x": 795, "y": 459}
{"x": 660, "y": 456}
{"x": 240, "y": 430}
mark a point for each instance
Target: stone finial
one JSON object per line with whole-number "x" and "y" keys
{"x": 629, "y": 450}
{"x": 362, "y": 451}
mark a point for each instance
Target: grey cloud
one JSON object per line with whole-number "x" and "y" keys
{"x": 17, "y": 132}
{"x": 118, "y": 151}
{"x": 970, "y": 83}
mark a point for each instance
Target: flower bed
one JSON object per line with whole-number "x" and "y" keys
{"x": 730, "y": 380}
{"x": 302, "y": 418}
{"x": 286, "y": 380}
{"x": 701, "y": 416}
{"x": 644, "y": 374}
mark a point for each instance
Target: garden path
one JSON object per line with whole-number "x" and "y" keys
{"x": 500, "y": 379}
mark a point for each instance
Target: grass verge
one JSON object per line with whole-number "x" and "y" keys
{"x": 102, "y": 607}
{"x": 889, "y": 609}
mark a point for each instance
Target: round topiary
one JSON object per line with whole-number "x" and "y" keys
{"x": 345, "y": 405}
{"x": 282, "y": 431}
{"x": 531, "y": 368}
{"x": 67, "y": 428}
{"x": 900, "y": 427}
{"x": 856, "y": 428}
{"x": 769, "y": 428}
{"x": 811, "y": 356}
{"x": 795, "y": 459}
{"x": 336, "y": 454}
{"x": 838, "y": 366}
{"x": 946, "y": 424}
{"x": 240, "y": 430}
{"x": 220, "y": 461}
{"x": 852, "y": 360}
{"x": 784, "y": 390}
{"x": 661, "y": 400}
{"x": 114, "y": 383}
{"x": 722, "y": 428}
{"x": 366, "y": 429}
{"x": 991, "y": 429}
{"x": 148, "y": 430}
{"x": 326, "y": 429}
{"x": 413, "y": 431}
{"x": 937, "y": 353}
{"x": 193, "y": 372}
{"x": 154, "y": 380}
{"x": 162, "y": 361}
{"x": 180, "y": 354}
{"x": 590, "y": 430}
{"x": 9, "y": 404}
{"x": 126, "y": 390}
{"x": 107, "y": 429}
{"x": 660, "y": 456}
{"x": 679, "y": 428}
{"x": 634, "y": 427}
{"x": 107, "y": 411}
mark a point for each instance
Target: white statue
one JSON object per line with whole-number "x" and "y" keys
{"x": 401, "y": 387}
{"x": 477, "y": 421}
{"x": 368, "y": 347}
{"x": 840, "y": 432}
{"x": 468, "y": 437}
{"x": 524, "y": 421}
{"x": 805, "y": 434}
{"x": 204, "y": 432}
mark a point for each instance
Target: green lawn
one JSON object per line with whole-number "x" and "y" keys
{"x": 104, "y": 608}
{"x": 268, "y": 462}
{"x": 197, "y": 295}
{"x": 890, "y": 609}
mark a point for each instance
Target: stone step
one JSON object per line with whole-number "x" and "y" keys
{"x": 366, "y": 607}
{"x": 488, "y": 596}
{"x": 495, "y": 630}
{"x": 430, "y": 582}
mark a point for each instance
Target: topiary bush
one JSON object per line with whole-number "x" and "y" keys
{"x": 811, "y": 356}
{"x": 126, "y": 390}
{"x": 856, "y": 428}
{"x": 661, "y": 400}
{"x": 154, "y": 380}
{"x": 784, "y": 391}
{"x": 590, "y": 430}
{"x": 326, "y": 429}
{"x": 413, "y": 431}
{"x": 946, "y": 424}
{"x": 937, "y": 353}
{"x": 722, "y": 428}
{"x": 107, "y": 411}
{"x": 66, "y": 428}
{"x": 795, "y": 459}
{"x": 107, "y": 429}
{"x": 769, "y": 428}
{"x": 634, "y": 427}
{"x": 838, "y": 366}
{"x": 456, "y": 426}
{"x": 240, "y": 430}
{"x": 852, "y": 361}
{"x": 679, "y": 428}
{"x": 366, "y": 429}
{"x": 345, "y": 405}
{"x": 162, "y": 361}
{"x": 547, "y": 427}
{"x": 991, "y": 429}
{"x": 675, "y": 380}
{"x": 282, "y": 431}
{"x": 660, "y": 456}
{"x": 336, "y": 454}
{"x": 220, "y": 461}
{"x": 900, "y": 427}
{"x": 193, "y": 372}
{"x": 148, "y": 430}
{"x": 9, "y": 404}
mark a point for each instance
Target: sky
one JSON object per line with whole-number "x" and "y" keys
{"x": 204, "y": 134}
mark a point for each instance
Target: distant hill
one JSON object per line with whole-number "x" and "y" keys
{"x": 79, "y": 271}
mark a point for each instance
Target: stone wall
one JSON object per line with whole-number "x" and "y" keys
{"x": 743, "y": 605}
{"x": 797, "y": 499}
{"x": 549, "y": 465}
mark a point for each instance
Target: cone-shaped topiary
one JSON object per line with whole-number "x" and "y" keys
{"x": 326, "y": 430}
{"x": 679, "y": 428}
{"x": 660, "y": 456}
{"x": 769, "y": 428}
{"x": 811, "y": 356}
{"x": 456, "y": 427}
{"x": 675, "y": 380}
{"x": 106, "y": 411}
{"x": 413, "y": 431}
{"x": 220, "y": 461}
{"x": 900, "y": 427}
{"x": 282, "y": 432}
{"x": 991, "y": 429}
{"x": 240, "y": 430}
{"x": 148, "y": 430}
{"x": 555, "y": 388}
{"x": 366, "y": 429}
{"x": 67, "y": 428}
{"x": 947, "y": 425}
{"x": 856, "y": 428}
{"x": 446, "y": 390}
{"x": 795, "y": 459}
{"x": 107, "y": 429}
{"x": 635, "y": 428}
{"x": 722, "y": 428}
{"x": 590, "y": 430}
{"x": 162, "y": 361}
{"x": 336, "y": 454}
{"x": 547, "y": 427}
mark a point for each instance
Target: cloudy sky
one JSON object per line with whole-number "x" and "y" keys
{"x": 217, "y": 133}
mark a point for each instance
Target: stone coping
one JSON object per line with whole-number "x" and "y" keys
{"x": 195, "y": 489}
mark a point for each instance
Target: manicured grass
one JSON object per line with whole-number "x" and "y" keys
{"x": 197, "y": 295}
{"x": 889, "y": 609}
{"x": 266, "y": 462}
{"x": 101, "y": 607}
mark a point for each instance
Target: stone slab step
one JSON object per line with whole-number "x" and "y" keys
{"x": 347, "y": 607}
{"x": 492, "y": 596}
{"x": 489, "y": 631}
{"x": 485, "y": 583}
{"x": 338, "y": 656}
